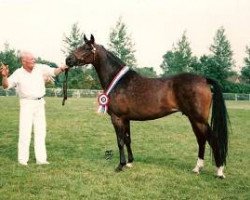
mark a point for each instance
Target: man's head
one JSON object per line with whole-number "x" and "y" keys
{"x": 28, "y": 60}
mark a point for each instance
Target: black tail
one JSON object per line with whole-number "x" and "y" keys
{"x": 219, "y": 120}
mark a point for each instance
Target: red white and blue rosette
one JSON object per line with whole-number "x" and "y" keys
{"x": 103, "y": 101}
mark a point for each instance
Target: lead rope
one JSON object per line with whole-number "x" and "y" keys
{"x": 65, "y": 86}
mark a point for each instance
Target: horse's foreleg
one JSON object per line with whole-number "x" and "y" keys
{"x": 119, "y": 126}
{"x": 128, "y": 144}
{"x": 120, "y": 142}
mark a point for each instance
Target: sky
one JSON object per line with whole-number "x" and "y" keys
{"x": 154, "y": 26}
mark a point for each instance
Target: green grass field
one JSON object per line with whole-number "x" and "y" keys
{"x": 165, "y": 152}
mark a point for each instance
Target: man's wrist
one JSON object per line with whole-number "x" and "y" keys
{"x": 61, "y": 69}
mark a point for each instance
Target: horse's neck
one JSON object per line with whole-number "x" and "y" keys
{"x": 106, "y": 72}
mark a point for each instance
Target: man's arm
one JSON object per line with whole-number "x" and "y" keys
{"x": 59, "y": 70}
{"x": 5, "y": 82}
{"x": 4, "y": 71}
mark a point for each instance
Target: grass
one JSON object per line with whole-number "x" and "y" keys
{"x": 165, "y": 152}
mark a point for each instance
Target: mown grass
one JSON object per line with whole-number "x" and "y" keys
{"x": 165, "y": 152}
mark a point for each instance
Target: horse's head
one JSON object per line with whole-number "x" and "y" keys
{"x": 83, "y": 55}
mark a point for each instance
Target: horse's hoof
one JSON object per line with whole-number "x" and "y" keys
{"x": 129, "y": 165}
{"x": 219, "y": 172}
{"x": 221, "y": 176}
{"x": 197, "y": 170}
{"x": 119, "y": 168}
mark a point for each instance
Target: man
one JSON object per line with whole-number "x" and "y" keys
{"x": 29, "y": 81}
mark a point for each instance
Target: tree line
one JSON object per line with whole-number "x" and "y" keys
{"x": 218, "y": 64}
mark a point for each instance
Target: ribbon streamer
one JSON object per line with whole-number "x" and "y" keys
{"x": 103, "y": 98}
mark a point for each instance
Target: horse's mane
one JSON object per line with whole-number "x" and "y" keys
{"x": 114, "y": 59}
{"x": 117, "y": 62}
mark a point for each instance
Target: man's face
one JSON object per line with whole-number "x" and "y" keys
{"x": 28, "y": 61}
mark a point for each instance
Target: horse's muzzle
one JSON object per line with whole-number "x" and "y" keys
{"x": 70, "y": 61}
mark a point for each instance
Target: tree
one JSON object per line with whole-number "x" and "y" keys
{"x": 146, "y": 71}
{"x": 219, "y": 64}
{"x": 46, "y": 62}
{"x": 210, "y": 67}
{"x": 10, "y": 57}
{"x": 245, "y": 72}
{"x": 74, "y": 40}
{"x": 121, "y": 44}
{"x": 179, "y": 59}
{"x": 79, "y": 77}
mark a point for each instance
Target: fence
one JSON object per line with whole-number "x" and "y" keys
{"x": 79, "y": 93}
{"x": 57, "y": 92}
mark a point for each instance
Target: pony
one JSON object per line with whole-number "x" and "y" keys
{"x": 139, "y": 98}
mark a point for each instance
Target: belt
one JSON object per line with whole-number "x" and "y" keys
{"x": 31, "y": 98}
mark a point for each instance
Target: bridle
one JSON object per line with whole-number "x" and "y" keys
{"x": 86, "y": 54}
{"x": 65, "y": 83}
{"x": 93, "y": 50}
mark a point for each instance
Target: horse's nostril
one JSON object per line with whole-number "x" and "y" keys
{"x": 69, "y": 61}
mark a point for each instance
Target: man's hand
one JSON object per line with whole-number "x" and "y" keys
{"x": 64, "y": 68}
{"x": 61, "y": 69}
{"x": 4, "y": 70}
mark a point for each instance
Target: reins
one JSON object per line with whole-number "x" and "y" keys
{"x": 65, "y": 86}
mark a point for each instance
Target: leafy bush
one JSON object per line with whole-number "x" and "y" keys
{"x": 229, "y": 87}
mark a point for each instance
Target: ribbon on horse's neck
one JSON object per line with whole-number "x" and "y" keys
{"x": 103, "y": 98}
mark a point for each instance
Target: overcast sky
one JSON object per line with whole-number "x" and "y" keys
{"x": 154, "y": 25}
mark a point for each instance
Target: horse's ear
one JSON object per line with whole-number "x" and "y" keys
{"x": 85, "y": 39}
{"x": 92, "y": 39}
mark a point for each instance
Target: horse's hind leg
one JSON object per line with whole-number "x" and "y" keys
{"x": 201, "y": 131}
{"x": 203, "y": 134}
{"x": 213, "y": 142}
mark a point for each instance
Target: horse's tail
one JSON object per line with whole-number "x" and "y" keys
{"x": 219, "y": 120}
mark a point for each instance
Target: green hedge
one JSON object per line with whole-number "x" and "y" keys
{"x": 229, "y": 87}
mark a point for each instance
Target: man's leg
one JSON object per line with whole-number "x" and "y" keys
{"x": 40, "y": 133}
{"x": 25, "y": 128}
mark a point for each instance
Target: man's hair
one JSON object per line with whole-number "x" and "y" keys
{"x": 24, "y": 54}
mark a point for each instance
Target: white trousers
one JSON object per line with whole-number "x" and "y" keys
{"x": 32, "y": 114}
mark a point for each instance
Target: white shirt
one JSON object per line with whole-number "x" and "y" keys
{"x": 30, "y": 84}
